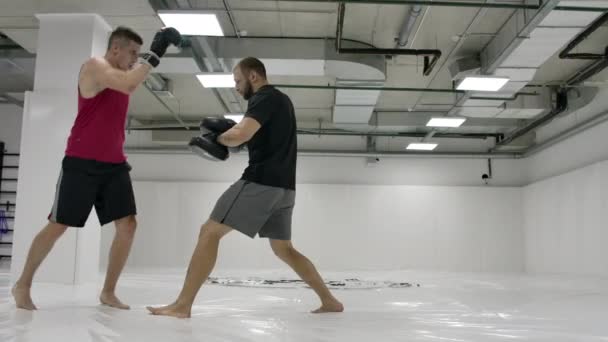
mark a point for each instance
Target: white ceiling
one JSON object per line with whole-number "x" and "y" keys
{"x": 377, "y": 25}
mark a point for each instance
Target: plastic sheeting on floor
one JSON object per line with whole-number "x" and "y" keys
{"x": 270, "y": 306}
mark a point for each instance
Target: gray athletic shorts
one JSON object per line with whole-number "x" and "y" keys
{"x": 252, "y": 208}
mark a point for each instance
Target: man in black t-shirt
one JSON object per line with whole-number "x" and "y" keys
{"x": 262, "y": 201}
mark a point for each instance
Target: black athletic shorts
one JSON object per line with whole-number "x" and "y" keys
{"x": 85, "y": 183}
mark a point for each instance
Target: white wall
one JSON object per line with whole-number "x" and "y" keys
{"x": 565, "y": 223}
{"x": 419, "y": 213}
{"x": 336, "y": 170}
{"x": 344, "y": 227}
{"x": 586, "y": 148}
{"x": 552, "y": 225}
{"x": 566, "y": 201}
{"x": 10, "y": 127}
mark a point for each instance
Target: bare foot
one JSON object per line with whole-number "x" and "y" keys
{"x": 22, "y": 298}
{"x": 111, "y": 300}
{"x": 173, "y": 310}
{"x": 332, "y": 306}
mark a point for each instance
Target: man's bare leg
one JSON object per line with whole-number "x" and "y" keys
{"x": 307, "y": 271}
{"x": 40, "y": 248}
{"x": 119, "y": 252}
{"x": 201, "y": 264}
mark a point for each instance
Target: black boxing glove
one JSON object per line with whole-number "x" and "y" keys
{"x": 161, "y": 41}
{"x": 217, "y": 125}
{"x": 164, "y": 38}
{"x": 206, "y": 146}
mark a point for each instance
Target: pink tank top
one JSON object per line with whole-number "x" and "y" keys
{"x": 99, "y": 130}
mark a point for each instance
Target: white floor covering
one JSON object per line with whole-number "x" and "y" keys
{"x": 446, "y": 307}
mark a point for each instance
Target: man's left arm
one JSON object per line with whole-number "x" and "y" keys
{"x": 259, "y": 110}
{"x": 240, "y": 133}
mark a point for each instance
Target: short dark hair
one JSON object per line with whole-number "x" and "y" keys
{"x": 250, "y": 64}
{"x": 125, "y": 34}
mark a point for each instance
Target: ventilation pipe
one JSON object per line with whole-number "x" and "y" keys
{"x": 526, "y": 41}
{"x": 408, "y": 25}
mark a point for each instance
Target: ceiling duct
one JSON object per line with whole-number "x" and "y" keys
{"x": 289, "y": 57}
{"x": 526, "y": 41}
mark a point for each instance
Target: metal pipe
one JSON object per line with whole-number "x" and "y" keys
{"x": 429, "y": 64}
{"x": 338, "y": 132}
{"x": 515, "y": 29}
{"x": 461, "y": 4}
{"x": 10, "y": 47}
{"x": 404, "y": 89}
{"x": 584, "y": 56}
{"x": 197, "y": 52}
{"x": 478, "y": 16}
{"x": 337, "y": 153}
{"x": 562, "y": 101}
{"x": 339, "y": 26}
{"x": 406, "y": 29}
{"x": 194, "y": 45}
{"x": 490, "y": 168}
{"x": 11, "y": 100}
{"x": 232, "y": 20}
{"x": 429, "y": 135}
{"x": 418, "y": 154}
{"x": 580, "y": 9}
{"x": 572, "y": 131}
{"x": 17, "y": 52}
{"x": 512, "y": 98}
{"x": 405, "y": 52}
{"x": 175, "y": 115}
{"x": 157, "y": 82}
{"x": 429, "y": 3}
{"x": 565, "y": 54}
{"x": 201, "y": 43}
{"x": 560, "y": 107}
{"x": 216, "y": 66}
{"x": 304, "y": 38}
{"x": 482, "y": 136}
{"x": 589, "y": 71}
{"x": 427, "y": 10}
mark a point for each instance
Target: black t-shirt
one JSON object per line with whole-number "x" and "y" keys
{"x": 273, "y": 148}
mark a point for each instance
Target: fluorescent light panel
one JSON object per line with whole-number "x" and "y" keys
{"x": 192, "y": 23}
{"x": 478, "y": 83}
{"x": 446, "y": 122}
{"x": 216, "y": 80}
{"x": 421, "y": 146}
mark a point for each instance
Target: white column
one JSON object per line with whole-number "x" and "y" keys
{"x": 65, "y": 41}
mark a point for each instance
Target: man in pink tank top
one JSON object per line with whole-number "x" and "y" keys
{"x": 94, "y": 171}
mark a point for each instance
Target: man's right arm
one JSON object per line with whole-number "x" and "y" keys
{"x": 107, "y": 76}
